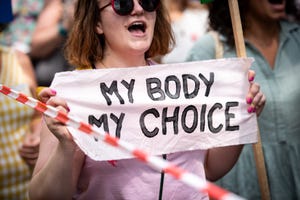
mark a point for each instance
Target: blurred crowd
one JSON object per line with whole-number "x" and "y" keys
{"x": 32, "y": 38}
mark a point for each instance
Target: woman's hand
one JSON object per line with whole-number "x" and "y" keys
{"x": 58, "y": 128}
{"x": 29, "y": 150}
{"x": 255, "y": 98}
{"x": 59, "y": 156}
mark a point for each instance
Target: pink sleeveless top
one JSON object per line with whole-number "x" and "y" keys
{"x": 131, "y": 179}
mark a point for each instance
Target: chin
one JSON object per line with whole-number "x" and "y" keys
{"x": 141, "y": 48}
{"x": 279, "y": 16}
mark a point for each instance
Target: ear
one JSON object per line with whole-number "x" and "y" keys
{"x": 99, "y": 29}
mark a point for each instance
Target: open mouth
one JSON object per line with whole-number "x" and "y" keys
{"x": 137, "y": 26}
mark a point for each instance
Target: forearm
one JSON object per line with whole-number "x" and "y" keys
{"x": 55, "y": 179}
{"x": 46, "y": 41}
{"x": 219, "y": 161}
{"x": 46, "y": 37}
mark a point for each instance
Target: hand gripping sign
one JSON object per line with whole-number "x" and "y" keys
{"x": 162, "y": 108}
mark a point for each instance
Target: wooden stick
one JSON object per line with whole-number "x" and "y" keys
{"x": 241, "y": 52}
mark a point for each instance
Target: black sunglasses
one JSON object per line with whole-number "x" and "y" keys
{"x": 125, "y": 7}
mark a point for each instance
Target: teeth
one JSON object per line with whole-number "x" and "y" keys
{"x": 138, "y": 24}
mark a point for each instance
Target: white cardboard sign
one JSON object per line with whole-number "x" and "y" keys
{"x": 161, "y": 108}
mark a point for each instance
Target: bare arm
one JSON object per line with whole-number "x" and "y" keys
{"x": 57, "y": 169}
{"x": 59, "y": 163}
{"x": 46, "y": 37}
{"x": 220, "y": 160}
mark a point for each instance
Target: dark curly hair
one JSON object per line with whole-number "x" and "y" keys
{"x": 220, "y": 21}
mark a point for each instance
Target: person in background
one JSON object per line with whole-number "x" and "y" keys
{"x": 274, "y": 43}
{"x": 109, "y": 34}
{"x": 18, "y": 32}
{"x": 189, "y": 23}
{"x": 19, "y": 125}
{"x": 48, "y": 39}
{"x": 293, "y": 11}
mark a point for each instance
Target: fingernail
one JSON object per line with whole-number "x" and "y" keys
{"x": 53, "y": 91}
{"x": 251, "y": 78}
{"x": 68, "y": 109}
{"x": 249, "y": 100}
{"x": 250, "y": 109}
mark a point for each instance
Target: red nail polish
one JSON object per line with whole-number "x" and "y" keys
{"x": 250, "y": 109}
{"x": 251, "y": 78}
{"x": 53, "y": 91}
{"x": 249, "y": 100}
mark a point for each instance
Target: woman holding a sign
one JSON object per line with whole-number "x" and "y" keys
{"x": 109, "y": 34}
{"x": 274, "y": 41}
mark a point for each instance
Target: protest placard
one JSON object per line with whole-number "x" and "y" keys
{"x": 161, "y": 108}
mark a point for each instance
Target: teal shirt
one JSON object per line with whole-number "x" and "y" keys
{"x": 279, "y": 123}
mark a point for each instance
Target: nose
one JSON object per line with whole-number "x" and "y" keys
{"x": 137, "y": 8}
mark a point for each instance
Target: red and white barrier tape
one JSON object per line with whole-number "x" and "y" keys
{"x": 156, "y": 163}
